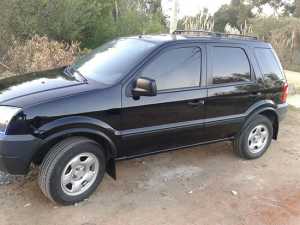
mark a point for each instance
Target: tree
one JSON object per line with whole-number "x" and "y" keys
{"x": 289, "y": 9}
{"x": 90, "y": 22}
{"x": 66, "y": 20}
{"x": 236, "y": 2}
{"x": 139, "y": 17}
{"x": 236, "y": 13}
{"x": 280, "y": 7}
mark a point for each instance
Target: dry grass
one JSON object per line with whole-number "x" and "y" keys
{"x": 282, "y": 33}
{"x": 39, "y": 53}
{"x": 293, "y": 79}
{"x": 202, "y": 21}
{"x": 286, "y": 45}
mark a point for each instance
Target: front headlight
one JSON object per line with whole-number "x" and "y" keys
{"x": 6, "y": 115}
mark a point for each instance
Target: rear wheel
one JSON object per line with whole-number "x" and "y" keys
{"x": 255, "y": 138}
{"x": 72, "y": 170}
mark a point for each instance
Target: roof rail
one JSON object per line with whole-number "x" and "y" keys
{"x": 213, "y": 34}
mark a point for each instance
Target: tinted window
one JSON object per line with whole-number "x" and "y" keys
{"x": 176, "y": 68}
{"x": 110, "y": 62}
{"x": 230, "y": 65}
{"x": 269, "y": 64}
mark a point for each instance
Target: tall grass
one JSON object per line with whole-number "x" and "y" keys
{"x": 202, "y": 21}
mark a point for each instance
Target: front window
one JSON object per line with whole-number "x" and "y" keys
{"x": 112, "y": 61}
{"x": 175, "y": 68}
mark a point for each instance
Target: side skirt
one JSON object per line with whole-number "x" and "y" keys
{"x": 111, "y": 166}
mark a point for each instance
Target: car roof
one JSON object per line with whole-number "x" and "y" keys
{"x": 167, "y": 38}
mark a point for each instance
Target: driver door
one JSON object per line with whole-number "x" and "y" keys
{"x": 174, "y": 117}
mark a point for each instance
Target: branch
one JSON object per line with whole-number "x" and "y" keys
{"x": 5, "y": 66}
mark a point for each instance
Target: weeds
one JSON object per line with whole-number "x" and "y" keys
{"x": 39, "y": 53}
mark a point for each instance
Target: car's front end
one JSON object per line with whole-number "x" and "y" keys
{"x": 18, "y": 143}
{"x": 16, "y": 149}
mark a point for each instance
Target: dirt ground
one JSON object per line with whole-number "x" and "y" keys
{"x": 206, "y": 185}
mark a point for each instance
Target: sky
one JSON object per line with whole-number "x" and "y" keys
{"x": 192, "y": 7}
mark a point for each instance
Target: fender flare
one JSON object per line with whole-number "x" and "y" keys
{"x": 78, "y": 125}
{"x": 74, "y": 131}
{"x": 263, "y": 106}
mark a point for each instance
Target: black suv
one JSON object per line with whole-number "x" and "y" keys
{"x": 138, "y": 96}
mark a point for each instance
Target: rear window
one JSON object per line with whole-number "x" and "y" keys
{"x": 269, "y": 64}
{"x": 230, "y": 65}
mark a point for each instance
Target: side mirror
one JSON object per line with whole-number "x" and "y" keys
{"x": 144, "y": 87}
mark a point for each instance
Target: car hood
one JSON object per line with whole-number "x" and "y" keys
{"x": 34, "y": 83}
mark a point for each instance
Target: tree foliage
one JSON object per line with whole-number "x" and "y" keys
{"x": 280, "y": 7}
{"x": 235, "y": 13}
{"x": 90, "y": 22}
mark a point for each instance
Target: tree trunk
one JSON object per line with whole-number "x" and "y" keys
{"x": 296, "y": 57}
{"x": 116, "y": 10}
{"x": 297, "y": 10}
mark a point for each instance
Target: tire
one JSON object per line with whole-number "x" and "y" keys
{"x": 75, "y": 157}
{"x": 255, "y": 138}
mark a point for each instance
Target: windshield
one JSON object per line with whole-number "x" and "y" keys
{"x": 110, "y": 62}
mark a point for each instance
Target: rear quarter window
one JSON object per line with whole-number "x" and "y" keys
{"x": 269, "y": 64}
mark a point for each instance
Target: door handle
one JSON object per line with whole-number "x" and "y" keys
{"x": 196, "y": 102}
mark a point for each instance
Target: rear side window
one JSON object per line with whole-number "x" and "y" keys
{"x": 269, "y": 64}
{"x": 230, "y": 65}
{"x": 175, "y": 68}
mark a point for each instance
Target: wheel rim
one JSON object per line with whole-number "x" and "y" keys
{"x": 79, "y": 174}
{"x": 258, "y": 138}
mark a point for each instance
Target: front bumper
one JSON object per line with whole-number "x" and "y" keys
{"x": 282, "y": 111}
{"x": 16, "y": 153}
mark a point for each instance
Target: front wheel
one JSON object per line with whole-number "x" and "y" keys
{"x": 255, "y": 138}
{"x": 72, "y": 170}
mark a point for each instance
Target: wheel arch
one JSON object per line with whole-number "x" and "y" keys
{"x": 268, "y": 111}
{"x": 273, "y": 116}
{"x": 59, "y": 130}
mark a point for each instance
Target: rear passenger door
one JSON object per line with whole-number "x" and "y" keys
{"x": 175, "y": 116}
{"x": 232, "y": 89}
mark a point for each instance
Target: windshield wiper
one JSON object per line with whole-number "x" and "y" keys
{"x": 70, "y": 71}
